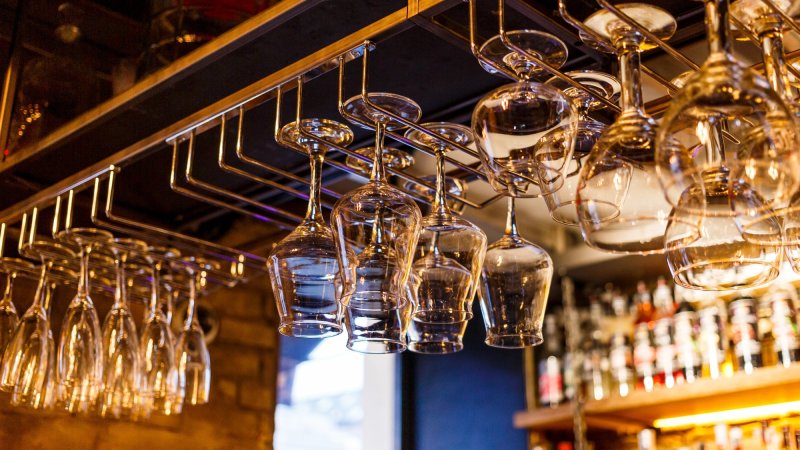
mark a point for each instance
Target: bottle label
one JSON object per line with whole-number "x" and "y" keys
{"x": 551, "y": 387}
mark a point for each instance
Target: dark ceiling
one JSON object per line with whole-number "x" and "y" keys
{"x": 435, "y": 70}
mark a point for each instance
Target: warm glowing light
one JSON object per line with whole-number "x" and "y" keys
{"x": 732, "y": 415}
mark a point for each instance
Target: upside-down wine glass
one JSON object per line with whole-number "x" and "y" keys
{"x": 30, "y": 355}
{"x": 303, "y": 265}
{"x": 768, "y": 27}
{"x": 431, "y": 338}
{"x": 376, "y": 228}
{"x": 721, "y": 257}
{"x": 193, "y": 360}
{"x": 727, "y": 116}
{"x": 622, "y": 162}
{"x": 450, "y": 250}
{"x": 80, "y": 348}
{"x": 8, "y": 312}
{"x": 122, "y": 362}
{"x": 561, "y": 203}
{"x": 510, "y": 121}
{"x": 728, "y": 150}
{"x": 160, "y": 386}
{"x": 515, "y": 282}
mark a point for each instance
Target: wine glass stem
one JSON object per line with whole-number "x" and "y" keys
{"x": 714, "y": 144}
{"x": 10, "y": 276}
{"x": 440, "y": 207}
{"x": 377, "y": 226}
{"x": 83, "y": 281}
{"x": 717, "y": 27}
{"x": 511, "y": 219}
{"x": 40, "y": 299}
{"x": 774, "y": 62}
{"x": 120, "y": 294}
{"x": 314, "y": 213}
{"x": 155, "y": 283}
{"x": 630, "y": 76}
{"x": 190, "y": 308}
{"x": 378, "y": 172}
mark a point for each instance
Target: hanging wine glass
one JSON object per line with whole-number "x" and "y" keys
{"x": 393, "y": 158}
{"x": 623, "y": 159}
{"x": 561, "y": 203}
{"x": 510, "y": 122}
{"x": 376, "y": 228}
{"x": 8, "y": 312}
{"x": 727, "y": 116}
{"x": 122, "y": 363}
{"x": 760, "y": 20}
{"x": 30, "y": 354}
{"x": 453, "y": 186}
{"x": 193, "y": 360}
{"x": 515, "y": 282}
{"x": 80, "y": 349}
{"x": 450, "y": 249}
{"x": 160, "y": 385}
{"x": 303, "y": 265}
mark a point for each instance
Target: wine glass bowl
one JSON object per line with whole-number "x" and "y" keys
{"x": 721, "y": 258}
{"x": 436, "y": 338}
{"x": 760, "y": 145}
{"x": 510, "y": 125}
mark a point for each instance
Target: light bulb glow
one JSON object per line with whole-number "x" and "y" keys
{"x": 732, "y": 415}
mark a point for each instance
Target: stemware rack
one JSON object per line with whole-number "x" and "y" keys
{"x": 101, "y": 178}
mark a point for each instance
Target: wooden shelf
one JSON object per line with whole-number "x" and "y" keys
{"x": 638, "y": 410}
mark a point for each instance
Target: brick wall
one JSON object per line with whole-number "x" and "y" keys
{"x": 240, "y": 414}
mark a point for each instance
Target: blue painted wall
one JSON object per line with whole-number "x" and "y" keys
{"x": 465, "y": 401}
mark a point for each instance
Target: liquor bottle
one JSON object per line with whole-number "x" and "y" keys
{"x": 620, "y": 359}
{"x": 551, "y": 383}
{"x": 744, "y": 334}
{"x": 662, "y": 299}
{"x": 644, "y": 357}
{"x": 685, "y": 335}
{"x": 619, "y": 304}
{"x": 596, "y": 367}
{"x": 783, "y": 319}
{"x": 667, "y": 371}
{"x": 712, "y": 340}
{"x": 765, "y": 335}
{"x": 647, "y": 439}
{"x": 644, "y": 305}
{"x": 721, "y": 437}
